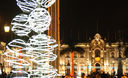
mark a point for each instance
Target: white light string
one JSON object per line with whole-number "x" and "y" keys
{"x": 39, "y": 20}
{"x": 20, "y": 25}
{"x": 30, "y": 5}
{"x": 40, "y": 47}
{"x": 13, "y": 52}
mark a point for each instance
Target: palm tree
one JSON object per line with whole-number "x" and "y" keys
{"x": 71, "y": 49}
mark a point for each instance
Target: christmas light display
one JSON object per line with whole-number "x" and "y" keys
{"x": 20, "y": 25}
{"x": 13, "y": 52}
{"x": 39, "y": 49}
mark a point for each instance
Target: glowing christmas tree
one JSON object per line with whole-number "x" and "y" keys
{"x": 39, "y": 49}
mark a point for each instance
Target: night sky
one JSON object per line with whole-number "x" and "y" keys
{"x": 80, "y": 20}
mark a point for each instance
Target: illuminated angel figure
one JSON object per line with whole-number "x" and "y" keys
{"x": 39, "y": 49}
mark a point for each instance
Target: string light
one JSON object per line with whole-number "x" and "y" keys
{"x": 20, "y": 25}
{"x": 13, "y": 54}
{"x": 39, "y": 20}
{"x": 30, "y": 5}
{"x": 39, "y": 49}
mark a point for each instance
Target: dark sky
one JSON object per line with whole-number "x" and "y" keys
{"x": 81, "y": 19}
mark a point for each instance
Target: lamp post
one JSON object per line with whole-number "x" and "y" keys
{"x": 6, "y": 28}
{"x": 113, "y": 68}
{"x": 120, "y": 69}
{"x": 87, "y": 67}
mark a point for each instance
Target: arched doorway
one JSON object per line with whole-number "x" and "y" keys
{"x": 97, "y": 65}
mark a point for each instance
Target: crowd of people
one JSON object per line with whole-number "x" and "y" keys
{"x": 98, "y": 75}
{"x": 92, "y": 75}
{"x": 4, "y": 75}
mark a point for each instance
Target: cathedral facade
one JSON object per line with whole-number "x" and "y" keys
{"x": 98, "y": 56}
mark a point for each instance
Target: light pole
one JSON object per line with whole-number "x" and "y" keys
{"x": 120, "y": 69}
{"x": 87, "y": 67}
{"x": 6, "y": 28}
{"x": 113, "y": 68}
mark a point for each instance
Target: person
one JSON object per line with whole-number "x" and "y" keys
{"x": 3, "y": 75}
{"x": 67, "y": 77}
{"x": 9, "y": 75}
{"x": 62, "y": 76}
{"x": 83, "y": 75}
{"x": 124, "y": 76}
{"x": 103, "y": 75}
{"x": 75, "y": 75}
{"x": 98, "y": 75}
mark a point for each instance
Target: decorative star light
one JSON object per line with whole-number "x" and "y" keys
{"x": 39, "y": 49}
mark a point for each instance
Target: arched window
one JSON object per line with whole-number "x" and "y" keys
{"x": 75, "y": 55}
{"x": 97, "y": 53}
{"x": 112, "y": 54}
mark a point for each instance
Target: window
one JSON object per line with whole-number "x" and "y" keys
{"x": 68, "y": 55}
{"x": 82, "y": 68}
{"x": 97, "y": 53}
{"x": 126, "y": 67}
{"x": 75, "y": 67}
{"x": 81, "y": 56}
{"x": 75, "y": 55}
{"x": 112, "y": 54}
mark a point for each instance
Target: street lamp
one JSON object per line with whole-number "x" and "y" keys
{"x": 120, "y": 69}
{"x": 6, "y": 28}
{"x": 87, "y": 67}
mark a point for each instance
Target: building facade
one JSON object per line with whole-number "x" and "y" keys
{"x": 98, "y": 56}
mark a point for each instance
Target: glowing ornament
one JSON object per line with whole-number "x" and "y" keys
{"x": 27, "y": 5}
{"x": 20, "y": 25}
{"x": 39, "y": 49}
{"x": 39, "y": 20}
{"x": 18, "y": 64}
{"x": 30, "y": 5}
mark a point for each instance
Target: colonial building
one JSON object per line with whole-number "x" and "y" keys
{"x": 98, "y": 55}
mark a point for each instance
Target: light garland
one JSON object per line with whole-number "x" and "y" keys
{"x": 13, "y": 53}
{"x": 20, "y": 25}
{"x": 40, "y": 47}
{"x": 39, "y": 20}
{"x": 30, "y": 5}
